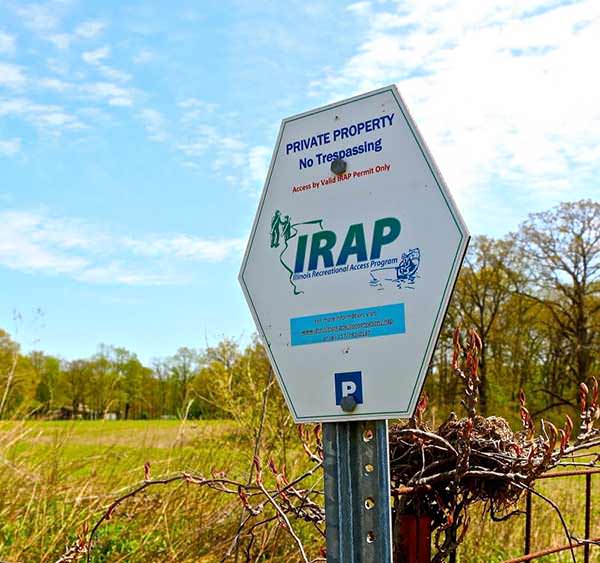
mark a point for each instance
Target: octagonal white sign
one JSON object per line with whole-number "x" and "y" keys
{"x": 348, "y": 275}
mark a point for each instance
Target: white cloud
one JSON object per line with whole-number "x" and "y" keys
{"x": 186, "y": 247}
{"x": 123, "y": 274}
{"x": 7, "y": 44}
{"x": 58, "y": 66}
{"x": 244, "y": 167}
{"x": 360, "y": 8}
{"x": 12, "y": 76}
{"x": 195, "y": 110}
{"x": 96, "y": 56}
{"x": 154, "y": 123}
{"x": 38, "y": 243}
{"x": 113, "y": 94}
{"x": 199, "y": 140}
{"x": 56, "y": 119}
{"x": 111, "y": 73}
{"x": 46, "y": 117}
{"x": 38, "y": 17}
{"x": 240, "y": 165}
{"x": 258, "y": 164}
{"x": 10, "y": 147}
{"x": 55, "y": 84}
{"x": 231, "y": 144}
{"x": 22, "y": 248}
{"x": 500, "y": 91}
{"x": 44, "y": 20}
{"x": 60, "y": 40}
{"x": 193, "y": 149}
{"x": 90, "y": 29}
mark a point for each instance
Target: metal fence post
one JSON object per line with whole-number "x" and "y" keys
{"x": 588, "y": 517}
{"x": 452, "y": 554}
{"x": 357, "y": 492}
{"x": 528, "y": 523}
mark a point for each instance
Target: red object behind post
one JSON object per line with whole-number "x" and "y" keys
{"x": 413, "y": 539}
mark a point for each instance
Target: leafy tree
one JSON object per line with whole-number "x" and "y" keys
{"x": 483, "y": 289}
{"x": 183, "y": 366}
{"x": 9, "y": 357}
{"x": 562, "y": 252}
{"x": 47, "y": 369}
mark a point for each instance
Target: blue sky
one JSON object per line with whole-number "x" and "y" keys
{"x": 135, "y": 138}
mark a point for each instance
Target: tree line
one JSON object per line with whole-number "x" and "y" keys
{"x": 114, "y": 383}
{"x": 533, "y": 296}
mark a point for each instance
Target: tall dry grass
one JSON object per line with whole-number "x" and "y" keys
{"x": 55, "y": 477}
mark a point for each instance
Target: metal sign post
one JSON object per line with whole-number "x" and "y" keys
{"x": 357, "y": 492}
{"x": 348, "y": 272}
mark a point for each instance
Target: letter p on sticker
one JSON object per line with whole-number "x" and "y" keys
{"x": 348, "y": 384}
{"x": 348, "y": 388}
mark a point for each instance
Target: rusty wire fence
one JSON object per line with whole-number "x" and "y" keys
{"x": 589, "y": 545}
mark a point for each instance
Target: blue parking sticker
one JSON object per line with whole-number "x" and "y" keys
{"x": 348, "y": 384}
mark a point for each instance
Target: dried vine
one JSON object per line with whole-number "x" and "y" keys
{"x": 439, "y": 473}
{"x": 481, "y": 460}
{"x": 278, "y": 502}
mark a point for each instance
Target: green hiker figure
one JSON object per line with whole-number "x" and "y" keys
{"x": 275, "y": 229}
{"x": 286, "y": 225}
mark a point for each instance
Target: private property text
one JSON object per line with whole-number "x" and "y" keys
{"x": 340, "y": 134}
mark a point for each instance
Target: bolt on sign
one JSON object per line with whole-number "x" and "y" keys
{"x": 352, "y": 259}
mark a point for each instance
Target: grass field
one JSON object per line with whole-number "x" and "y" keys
{"x": 55, "y": 476}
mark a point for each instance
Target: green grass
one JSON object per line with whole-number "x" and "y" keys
{"x": 497, "y": 541}
{"x": 107, "y": 448}
{"x": 56, "y": 476}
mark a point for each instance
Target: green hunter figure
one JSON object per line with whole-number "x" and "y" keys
{"x": 275, "y": 229}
